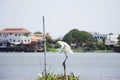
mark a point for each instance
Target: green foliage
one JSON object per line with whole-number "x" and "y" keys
{"x": 58, "y": 77}
{"x": 49, "y": 38}
{"x": 111, "y": 33}
{"x": 101, "y": 46}
{"x": 51, "y": 49}
{"x": 78, "y": 50}
{"x": 78, "y": 37}
{"x": 57, "y": 45}
{"x": 49, "y": 42}
{"x": 37, "y": 32}
{"x": 72, "y": 37}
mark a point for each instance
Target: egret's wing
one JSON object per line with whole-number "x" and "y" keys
{"x": 65, "y": 47}
{"x": 62, "y": 46}
{"x": 61, "y": 43}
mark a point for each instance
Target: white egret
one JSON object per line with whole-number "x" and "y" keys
{"x": 65, "y": 48}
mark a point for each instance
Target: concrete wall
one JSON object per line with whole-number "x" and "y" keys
{"x": 16, "y": 37}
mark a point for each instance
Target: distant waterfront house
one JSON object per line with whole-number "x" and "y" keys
{"x": 99, "y": 36}
{"x": 111, "y": 40}
{"x": 37, "y": 41}
{"x": 73, "y": 45}
{"x": 37, "y": 38}
{"x": 15, "y": 35}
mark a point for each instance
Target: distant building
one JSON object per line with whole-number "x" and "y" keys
{"x": 15, "y": 35}
{"x": 111, "y": 40}
{"x": 99, "y": 36}
{"x": 73, "y": 45}
{"x": 37, "y": 39}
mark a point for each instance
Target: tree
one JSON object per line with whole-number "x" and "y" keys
{"x": 72, "y": 36}
{"x": 49, "y": 38}
{"x": 111, "y": 33}
{"x": 37, "y": 32}
{"x": 78, "y": 37}
{"x": 49, "y": 41}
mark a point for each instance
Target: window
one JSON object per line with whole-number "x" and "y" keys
{"x": 15, "y": 34}
{"x": 19, "y": 35}
{"x": 10, "y": 33}
{"x": 22, "y": 41}
{"x": 1, "y": 34}
{"x": 13, "y": 40}
{"x": 5, "y": 35}
{"x": 10, "y": 39}
{"x": 25, "y": 40}
{"x": 18, "y": 40}
{"x": 26, "y": 35}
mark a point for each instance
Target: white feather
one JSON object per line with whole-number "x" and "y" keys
{"x": 64, "y": 47}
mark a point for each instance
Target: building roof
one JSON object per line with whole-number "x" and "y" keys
{"x": 37, "y": 35}
{"x": 14, "y": 30}
{"x": 34, "y": 40}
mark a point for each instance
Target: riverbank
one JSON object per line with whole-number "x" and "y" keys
{"x": 104, "y": 51}
{"x": 52, "y": 50}
{"x": 79, "y": 50}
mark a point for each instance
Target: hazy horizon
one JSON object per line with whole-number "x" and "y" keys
{"x": 61, "y": 16}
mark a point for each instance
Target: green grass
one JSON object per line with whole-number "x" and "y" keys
{"x": 58, "y": 77}
{"x": 104, "y": 51}
{"x": 51, "y": 50}
{"x": 55, "y": 50}
{"x": 78, "y": 50}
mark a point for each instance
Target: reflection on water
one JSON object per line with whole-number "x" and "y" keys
{"x": 90, "y": 66}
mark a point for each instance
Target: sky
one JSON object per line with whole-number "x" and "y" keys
{"x": 61, "y": 16}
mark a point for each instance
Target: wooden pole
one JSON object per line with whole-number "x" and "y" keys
{"x": 44, "y": 38}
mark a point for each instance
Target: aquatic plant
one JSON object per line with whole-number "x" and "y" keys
{"x": 59, "y": 77}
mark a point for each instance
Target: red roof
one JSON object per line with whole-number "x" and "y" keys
{"x": 34, "y": 40}
{"x": 84, "y": 44}
{"x": 15, "y": 30}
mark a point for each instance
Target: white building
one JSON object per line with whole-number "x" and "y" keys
{"x": 99, "y": 36}
{"x": 111, "y": 40}
{"x": 15, "y": 35}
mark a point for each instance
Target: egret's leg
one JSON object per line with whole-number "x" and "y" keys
{"x": 64, "y": 66}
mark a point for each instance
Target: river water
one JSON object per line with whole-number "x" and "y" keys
{"x": 89, "y": 66}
